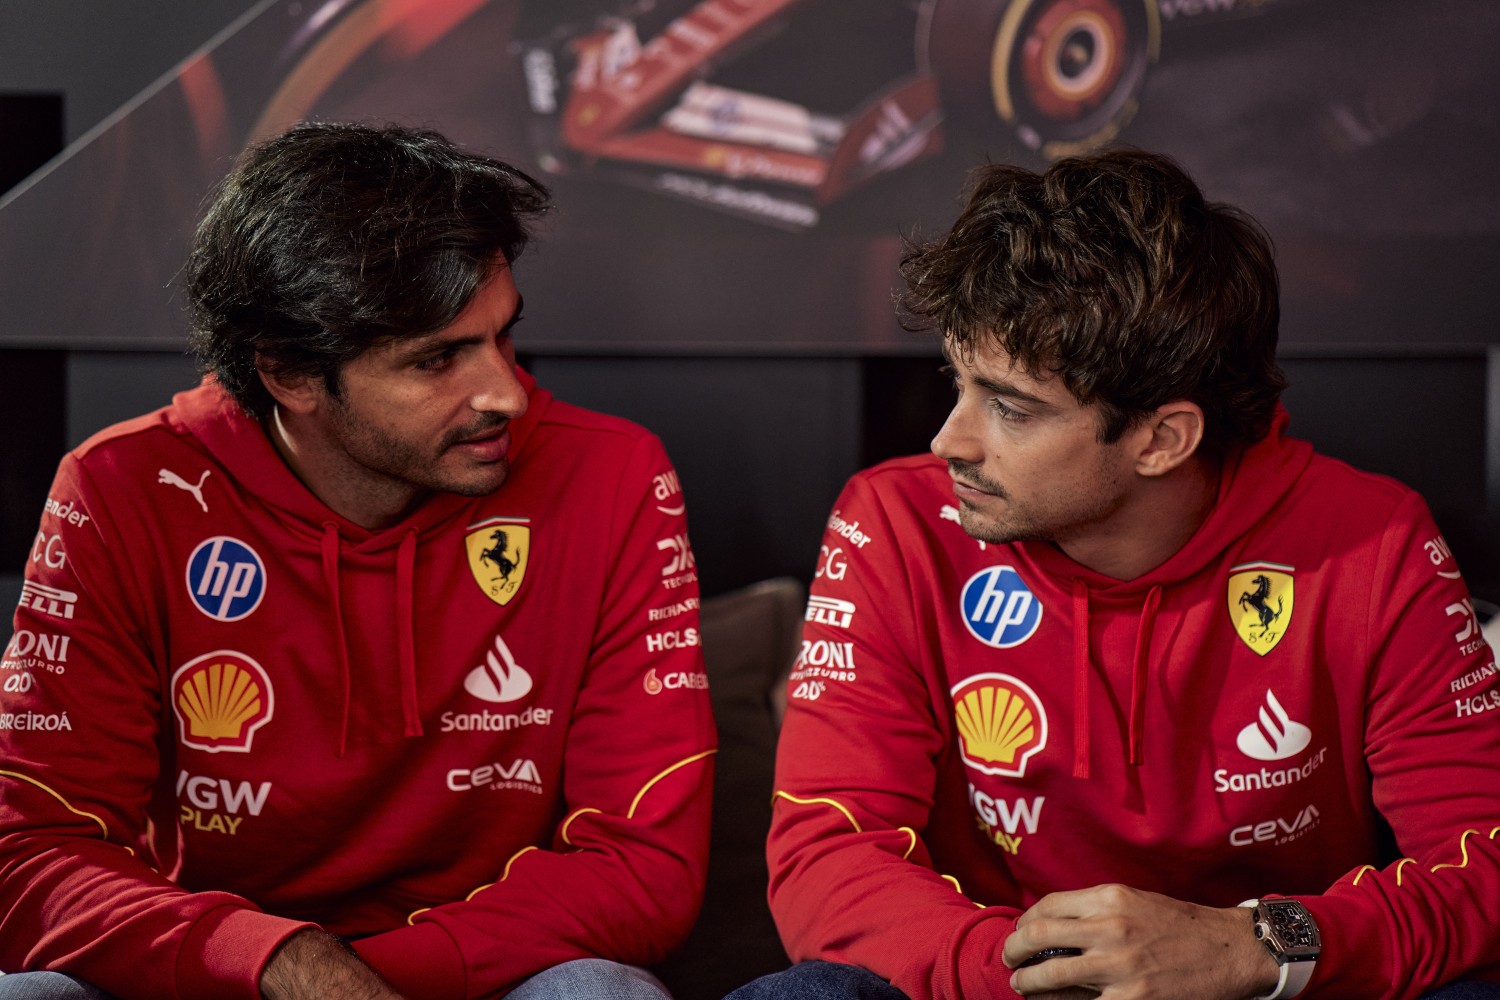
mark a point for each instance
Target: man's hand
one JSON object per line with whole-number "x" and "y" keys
{"x": 1138, "y": 944}
{"x": 311, "y": 965}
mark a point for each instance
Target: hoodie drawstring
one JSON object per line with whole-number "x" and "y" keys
{"x": 1082, "y": 669}
{"x": 1138, "y": 674}
{"x": 406, "y": 558}
{"x": 331, "y": 579}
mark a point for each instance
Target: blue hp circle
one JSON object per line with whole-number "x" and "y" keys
{"x": 225, "y": 578}
{"x": 999, "y": 609}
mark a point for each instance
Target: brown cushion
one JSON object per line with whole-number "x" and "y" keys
{"x": 750, "y": 639}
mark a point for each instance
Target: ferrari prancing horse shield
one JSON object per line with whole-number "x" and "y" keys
{"x": 498, "y": 549}
{"x": 1260, "y": 603}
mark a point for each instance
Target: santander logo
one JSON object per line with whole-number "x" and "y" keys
{"x": 498, "y": 678}
{"x": 1274, "y": 736}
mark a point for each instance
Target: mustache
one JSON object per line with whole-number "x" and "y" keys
{"x": 970, "y": 475}
{"x": 486, "y": 424}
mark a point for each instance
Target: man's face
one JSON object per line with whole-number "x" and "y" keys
{"x": 1025, "y": 456}
{"x": 432, "y": 412}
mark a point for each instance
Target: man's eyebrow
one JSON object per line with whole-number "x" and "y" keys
{"x": 997, "y": 386}
{"x": 418, "y": 345}
{"x": 1002, "y": 388}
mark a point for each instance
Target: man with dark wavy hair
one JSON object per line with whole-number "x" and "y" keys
{"x": 1114, "y": 693}
{"x": 366, "y": 669}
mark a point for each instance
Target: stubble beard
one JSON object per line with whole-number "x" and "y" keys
{"x": 405, "y": 465}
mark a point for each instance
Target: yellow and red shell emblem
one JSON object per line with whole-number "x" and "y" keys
{"x": 220, "y": 700}
{"x": 1001, "y": 723}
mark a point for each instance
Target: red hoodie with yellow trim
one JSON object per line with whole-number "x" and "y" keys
{"x": 974, "y": 726}
{"x": 229, "y": 713}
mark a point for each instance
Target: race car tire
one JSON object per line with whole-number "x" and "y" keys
{"x": 1065, "y": 75}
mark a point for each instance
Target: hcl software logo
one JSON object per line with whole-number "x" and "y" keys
{"x": 225, "y": 578}
{"x": 999, "y": 608}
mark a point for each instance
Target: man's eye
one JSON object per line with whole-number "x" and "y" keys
{"x": 436, "y": 362}
{"x": 1007, "y": 412}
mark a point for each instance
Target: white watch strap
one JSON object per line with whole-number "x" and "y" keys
{"x": 1293, "y": 977}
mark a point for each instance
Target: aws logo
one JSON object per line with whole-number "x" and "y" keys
{"x": 220, "y": 700}
{"x": 1001, "y": 723}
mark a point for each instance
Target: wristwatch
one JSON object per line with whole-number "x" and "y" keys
{"x": 1291, "y": 936}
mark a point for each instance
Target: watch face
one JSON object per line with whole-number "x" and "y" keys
{"x": 1288, "y": 930}
{"x": 1294, "y": 927}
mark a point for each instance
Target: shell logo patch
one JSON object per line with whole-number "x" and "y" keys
{"x": 1260, "y": 603}
{"x": 1001, "y": 723}
{"x": 498, "y": 550}
{"x": 220, "y": 700}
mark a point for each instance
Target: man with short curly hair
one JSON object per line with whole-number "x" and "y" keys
{"x": 1114, "y": 693}
{"x": 366, "y": 669}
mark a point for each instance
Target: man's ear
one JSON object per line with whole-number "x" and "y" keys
{"x": 1170, "y": 435}
{"x": 295, "y": 393}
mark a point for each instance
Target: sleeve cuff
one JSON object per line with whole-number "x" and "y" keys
{"x": 225, "y": 951}
{"x": 1348, "y": 942}
{"x": 420, "y": 960}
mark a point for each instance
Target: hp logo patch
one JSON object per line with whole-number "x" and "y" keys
{"x": 999, "y": 608}
{"x": 225, "y": 578}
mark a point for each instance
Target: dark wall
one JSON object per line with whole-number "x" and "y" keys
{"x": 763, "y": 445}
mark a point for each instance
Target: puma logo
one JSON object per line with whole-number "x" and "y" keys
{"x": 169, "y": 478}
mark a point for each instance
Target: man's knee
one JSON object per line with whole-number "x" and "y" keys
{"x": 591, "y": 979}
{"x": 46, "y": 986}
{"x": 819, "y": 981}
{"x": 1465, "y": 991}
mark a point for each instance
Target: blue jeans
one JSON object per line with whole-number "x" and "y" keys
{"x": 46, "y": 986}
{"x": 583, "y": 979}
{"x": 831, "y": 981}
{"x": 819, "y": 981}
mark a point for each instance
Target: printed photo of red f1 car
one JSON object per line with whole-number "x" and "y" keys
{"x": 773, "y": 108}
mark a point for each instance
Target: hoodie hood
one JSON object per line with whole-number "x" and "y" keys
{"x": 244, "y": 448}
{"x": 1251, "y": 483}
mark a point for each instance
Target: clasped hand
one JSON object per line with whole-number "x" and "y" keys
{"x": 1137, "y": 945}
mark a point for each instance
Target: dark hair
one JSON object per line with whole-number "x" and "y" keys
{"x": 1111, "y": 272}
{"x": 330, "y": 237}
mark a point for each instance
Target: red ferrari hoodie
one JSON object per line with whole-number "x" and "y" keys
{"x": 476, "y": 743}
{"x": 974, "y": 726}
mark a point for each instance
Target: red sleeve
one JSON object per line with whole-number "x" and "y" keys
{"x": 623, "y": 876}
{"x": 851, "y": 879}
{"x": 80, "y": 720}
{"x": 1432, "y": 742}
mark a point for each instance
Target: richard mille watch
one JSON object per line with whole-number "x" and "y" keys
{"x": 1291, "y": 936}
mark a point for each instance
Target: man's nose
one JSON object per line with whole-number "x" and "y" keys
{"x": 956, "y": 440}
{"x": 499, "y": 388}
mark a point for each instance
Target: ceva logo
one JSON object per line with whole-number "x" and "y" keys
{"x": 225, "y": 578}
{"x": 999, "y": 608}
{"x": 1274, "y": 736}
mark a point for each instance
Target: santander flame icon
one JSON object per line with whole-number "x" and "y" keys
{"x": 498, "y": 678}
{"x": 1275, "y": 736}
